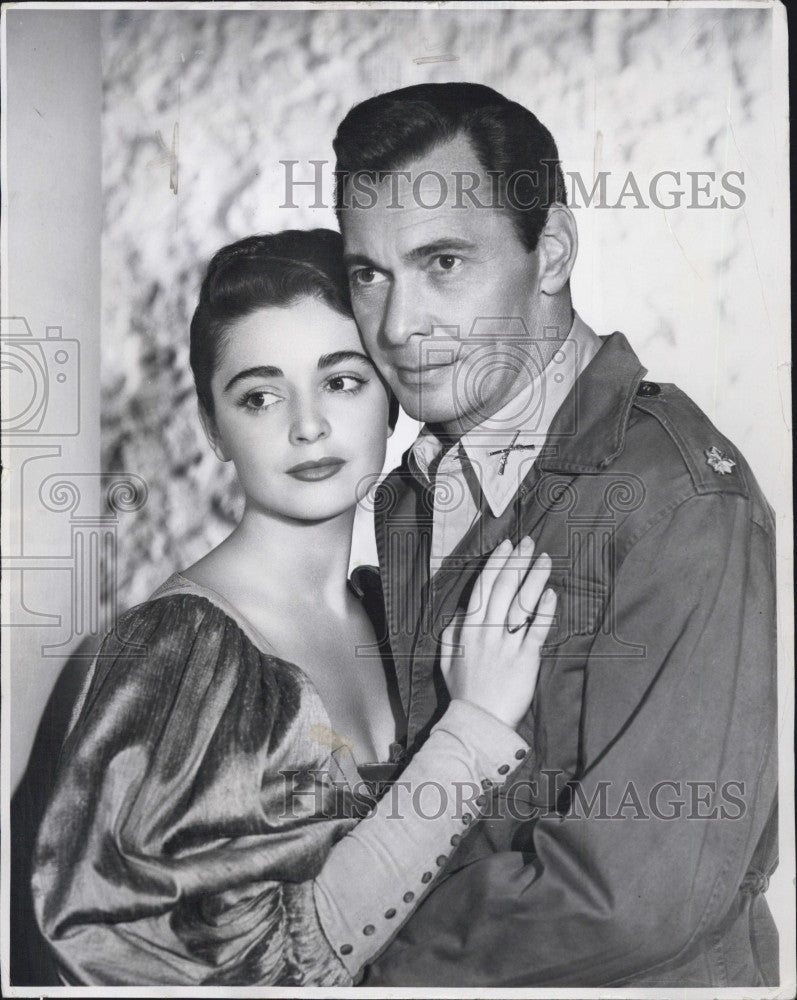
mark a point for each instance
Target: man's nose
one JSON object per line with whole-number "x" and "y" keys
{"x": 403, "y": 315}
{"x": 308, "y": 423}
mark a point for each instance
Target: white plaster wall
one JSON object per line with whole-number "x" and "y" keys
{"x": 641, "y": 90}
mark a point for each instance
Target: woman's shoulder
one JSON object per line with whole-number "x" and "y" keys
{"x": 183, "y": 644}
{"x": 181, "y": 609}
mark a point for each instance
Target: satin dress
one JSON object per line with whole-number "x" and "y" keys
{"x": 193, "y": 807}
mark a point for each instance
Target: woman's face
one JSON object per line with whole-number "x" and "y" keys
{"x": 300, "y": 410}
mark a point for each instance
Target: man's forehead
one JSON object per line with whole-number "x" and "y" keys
{"x": 426, "y": 199}
{"x": 424, "y": 193}
{"x": 379, "y": 230}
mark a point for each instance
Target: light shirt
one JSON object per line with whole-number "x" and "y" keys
{"x": 482, "y": 466}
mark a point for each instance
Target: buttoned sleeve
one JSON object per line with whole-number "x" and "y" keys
{"x": 687, "y": 769}
{"x": 374, "y": 878}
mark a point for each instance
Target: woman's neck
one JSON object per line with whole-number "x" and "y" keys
{"x": 283, "y": 561}
{"x": 306, "y": 558}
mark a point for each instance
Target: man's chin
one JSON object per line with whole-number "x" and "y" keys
{"x": 426, "y": 414}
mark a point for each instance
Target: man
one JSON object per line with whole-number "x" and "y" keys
{"x": 634, "y": 844}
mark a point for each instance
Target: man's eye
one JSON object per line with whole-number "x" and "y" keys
{"x": 345, "y": 383}
{"x": 367, "y": 276}
{"x": 447, "y": 261}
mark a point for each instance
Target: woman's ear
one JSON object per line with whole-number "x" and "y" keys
{"x": 212, "y": 434}
{"x": 558, "y": 246}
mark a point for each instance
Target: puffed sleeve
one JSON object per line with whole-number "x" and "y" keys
{"x": 167, "y": 854}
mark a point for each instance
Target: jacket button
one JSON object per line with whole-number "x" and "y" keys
{"x": 426, "y": 877}
{"x": 455, "y": 840}
{"x": 467, "y": 819}
{"x": 520, "y": 754}
{"x": 389, "y": 914}
{"x": 346, "y": 949}
{"x": 441, "y": 860}
{"x": 408, "y": 897}
{"x": 503, "y": 769}
{"x": 487, "y": 784}
{"x": 648, "y": 389}
{"x": 368, "y": 930}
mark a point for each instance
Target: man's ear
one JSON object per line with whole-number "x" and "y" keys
{"x": 212, "y": 434}
{"x": 558, "y": 246}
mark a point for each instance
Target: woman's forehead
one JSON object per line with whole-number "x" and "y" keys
{"x": 294, "y": 335}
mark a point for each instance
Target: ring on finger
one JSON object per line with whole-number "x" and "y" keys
{"x": 511, "y": 629}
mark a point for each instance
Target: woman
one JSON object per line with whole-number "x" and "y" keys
{"x": 206, "y": 826}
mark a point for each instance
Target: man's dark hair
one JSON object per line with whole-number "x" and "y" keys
{"x": 258, "y": 272}
{"x": 389, "y": 131}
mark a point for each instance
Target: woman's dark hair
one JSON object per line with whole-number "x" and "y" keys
{"x": 259, "y": 272}
{"x": 517, "y": 152}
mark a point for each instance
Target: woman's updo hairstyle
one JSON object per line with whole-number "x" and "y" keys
{"x": 261, "y": 272}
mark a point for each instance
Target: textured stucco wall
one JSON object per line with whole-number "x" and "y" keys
{"x": 679, "y": 89}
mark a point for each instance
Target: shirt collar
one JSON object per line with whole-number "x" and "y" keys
{"x": 523, "y": 423}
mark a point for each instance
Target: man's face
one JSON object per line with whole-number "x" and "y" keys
{"x": 447, "y": 299}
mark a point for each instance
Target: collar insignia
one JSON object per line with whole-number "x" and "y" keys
{"x": 504, "y": 452}
{"x": 718, "y": 462}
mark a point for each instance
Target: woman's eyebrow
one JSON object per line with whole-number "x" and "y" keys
{"x": 261, "y": 371}
{"x": 338, "y": 357}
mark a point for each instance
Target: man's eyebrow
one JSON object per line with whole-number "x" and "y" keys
{"x": 442, "y": 245}
{"x": 358, "y": 259}
{"x": 261, "y": 371}
{"x": 338, "y": 357}
{"x": 445, "y": 243}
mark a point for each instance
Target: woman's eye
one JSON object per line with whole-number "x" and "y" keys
{"x": 260, "y": 399}
{"x": 345, "y": 383}
{"x": 367, "y": 276}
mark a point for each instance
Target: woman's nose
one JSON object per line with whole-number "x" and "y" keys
{"x": 309, "y": 424}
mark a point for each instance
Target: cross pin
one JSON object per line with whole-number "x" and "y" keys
{"x": 504, "y": 452}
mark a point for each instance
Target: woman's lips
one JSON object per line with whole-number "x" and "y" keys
{"x": 310, "y": 472}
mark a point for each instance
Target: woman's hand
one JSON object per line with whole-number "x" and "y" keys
{"x": 491, "y": 656}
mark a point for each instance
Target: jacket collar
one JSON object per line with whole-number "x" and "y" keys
{"x": 588, "y": 431}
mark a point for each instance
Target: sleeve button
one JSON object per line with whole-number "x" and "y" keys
{"x": 389, "y": 914}
{"x": 426, "y": 877}
{"x": 503, "y": 769}
{"x": 346, "y": 949}
{"x": 408, "y": 897}
{"x": 368, "y": 930}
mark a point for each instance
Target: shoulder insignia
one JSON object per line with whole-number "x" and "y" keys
{"x": 719, "y": 462}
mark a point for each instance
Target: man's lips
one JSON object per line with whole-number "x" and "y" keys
{"x": 323, "y": 468}
{"x": 412, "y": 374}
